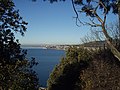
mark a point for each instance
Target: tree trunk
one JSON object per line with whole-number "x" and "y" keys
{"x": 110, "y": 44}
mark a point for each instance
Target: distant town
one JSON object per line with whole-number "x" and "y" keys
{"x": 90, "y": 45}
{"x": 47, "y": 46}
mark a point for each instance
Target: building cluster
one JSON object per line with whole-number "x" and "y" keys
{"x": 58, "y": 47}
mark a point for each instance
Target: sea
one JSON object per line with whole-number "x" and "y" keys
{"x": 47, "y": 59}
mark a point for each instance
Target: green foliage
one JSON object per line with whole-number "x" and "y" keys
{"x": 10, "y": 19}
{"x": 52, "y": 1}
{"x": 87, "y": 5}
{"x": 84, "y": 69}
{"x": 66, "y": 74}
{"x": 15, "y": 69}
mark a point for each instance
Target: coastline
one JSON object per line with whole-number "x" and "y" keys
{"x": 56, "y": 47}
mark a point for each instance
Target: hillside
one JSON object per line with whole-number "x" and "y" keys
{"x": 86, "y": 70}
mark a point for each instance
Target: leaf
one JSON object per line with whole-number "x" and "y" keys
{"x": 23, "y": 22}
{"x": 23, "y": 27}
{"x": 8, "y": 30}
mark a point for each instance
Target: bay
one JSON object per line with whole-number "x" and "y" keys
{"x": 47, "y": 59}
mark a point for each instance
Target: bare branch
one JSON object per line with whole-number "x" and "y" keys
{"x": 93, "y": 25}
{"x": 105, "y": 13}
{"x": 96, "y": 7}
{"x": 77, "y": 16}
{"x": 98, "y": 17}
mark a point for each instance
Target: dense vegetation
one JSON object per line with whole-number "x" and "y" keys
{"x": 84, "y": 69}
{"x": 15, "y": 69}
{"x": 66, "y": 73}
{"x": 81, "y": 69}
{"x": 103, "y": 72}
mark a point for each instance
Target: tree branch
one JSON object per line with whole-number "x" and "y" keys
{"x": 77, "y": 16}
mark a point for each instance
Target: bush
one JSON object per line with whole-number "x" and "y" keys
{"x": 66, "y": 74}
{"x": 83, "y": 69}
{"x": 103, "y": 72}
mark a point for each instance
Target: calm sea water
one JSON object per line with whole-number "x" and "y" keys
{"x": 47, "y": 59}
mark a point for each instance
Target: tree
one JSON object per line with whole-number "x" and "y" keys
{"x": 15, "y": 69}
{"x": 91, "y": 8}
{"x": 65, "y": 75}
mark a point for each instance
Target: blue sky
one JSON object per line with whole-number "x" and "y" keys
{"x": 49, "y": 23}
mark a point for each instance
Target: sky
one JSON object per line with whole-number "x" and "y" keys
{"x": 49, "y": 23}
